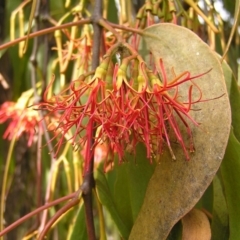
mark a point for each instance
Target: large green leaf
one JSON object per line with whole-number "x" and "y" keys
{"x": 131, "y": 181}
{"x": 234, "y": 96}
{"x": 176, "y": 232}
{"x": 206, "y": 201}
{"x": 79, "y": 230}
{"x": 176, "y": 186}
{"x": 230, "y": 170}
{"x": 112, "y": 12}
{"x": 122, "y": 190}
{"x": 219, "y": 223}
{"x": 106, "y": 198}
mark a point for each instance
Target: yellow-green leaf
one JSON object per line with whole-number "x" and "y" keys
{"x": 230, "y": 170}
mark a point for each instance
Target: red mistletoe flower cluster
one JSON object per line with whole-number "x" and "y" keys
{"x": 21, "y": 120}
{"x": 122, "y": 105}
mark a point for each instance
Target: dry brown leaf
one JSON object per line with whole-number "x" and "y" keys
{"x": 196, "y": 226}
{"x": 176, "y": 186}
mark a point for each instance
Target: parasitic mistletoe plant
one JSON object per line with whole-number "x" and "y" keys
{"x": 123, "y": 113}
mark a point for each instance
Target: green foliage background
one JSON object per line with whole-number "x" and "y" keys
{"x": 122, "y": 190}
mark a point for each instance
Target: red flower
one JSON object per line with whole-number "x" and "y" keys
{"x": 122, "y": 109}
{"x": 21, "y": 120}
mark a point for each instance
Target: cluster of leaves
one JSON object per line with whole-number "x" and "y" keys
{"x": 118, "y": 103}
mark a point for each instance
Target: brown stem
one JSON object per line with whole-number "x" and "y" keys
{"x": 41, "y": 9}
{"x": 45, "y": 22}
{"x": 87, "y": 186}
{"x": 33, "y": 60}
{"x": 88, "y": 181}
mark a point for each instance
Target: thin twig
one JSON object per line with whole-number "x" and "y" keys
{"x": 126, "y": 28}
{"x": 39, "y": 172}
{"x": 60, "y": 212}
{"x": 33, "y": 60}
{"x": 45, "y": 31}
{"x": 34, "y": 68}
{"x": 36, "y": 211}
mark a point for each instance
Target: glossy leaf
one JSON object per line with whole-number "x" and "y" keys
{"x": 79, "y": 230}
{"x": 234, "y": 97}
{"x": 176, "y": 232}
{"x": 122, "y": 190}
{"x": 133, "y": 176}
{"x": 206, "y": 201}
{"x": 219, "y": 223}
{"x": 230, "y": 170}
{"x": 112, "y": 12}
{"x": 105, "y": 197}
